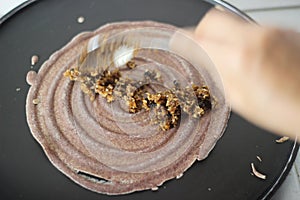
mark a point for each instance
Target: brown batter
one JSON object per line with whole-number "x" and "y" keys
{"x": 101, "y": 145}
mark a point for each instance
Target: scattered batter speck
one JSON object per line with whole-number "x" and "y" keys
{"x": 256, "y": 173}
{"x": 34, "y": 59}
{"x": 282, "y": 139}
{"x": 80, "y": 20}
{"x": 35, "y": 101}
{"x": 259, "y": 158}
{"x": 179, "y": 176}
{"x": 18, "y": 89}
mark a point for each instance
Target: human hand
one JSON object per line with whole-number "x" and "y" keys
{"x": 260, "y": 68}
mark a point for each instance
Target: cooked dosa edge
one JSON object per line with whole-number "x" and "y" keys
{"x": 102, "y": 142}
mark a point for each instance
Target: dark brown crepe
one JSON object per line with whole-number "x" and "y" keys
{"x": 102, "y": 147}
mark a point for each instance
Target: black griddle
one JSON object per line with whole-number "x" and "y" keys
{"x": 47, "y": 25}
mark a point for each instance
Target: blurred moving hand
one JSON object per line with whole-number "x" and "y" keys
{"x": 260, "y": 68}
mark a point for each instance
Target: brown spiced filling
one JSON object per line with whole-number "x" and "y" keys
{"x": 167, "y": 105}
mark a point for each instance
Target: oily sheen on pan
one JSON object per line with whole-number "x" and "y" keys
{"x": 95, "y": 139}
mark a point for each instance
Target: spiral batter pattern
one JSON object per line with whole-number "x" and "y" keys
{"x": 102, "y": 146}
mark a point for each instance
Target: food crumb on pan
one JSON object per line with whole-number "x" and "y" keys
{"x": 131, "y": 65}
{"x": 179, "y": 176}
{"x": 209, "y": 189}
{"x": 257, "y": 173}
{"x": 259, "y": 158}
{"x": 34, "y": 59}
{"x": 282, "y": 139}
{"x": 35, "y": 101}
{"x": 18, "y": 89}
{"x": 80, "y": 19}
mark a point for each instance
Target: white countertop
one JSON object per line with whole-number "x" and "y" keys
{"x": 7, "y": 5}
{"x": 284, "y": 13}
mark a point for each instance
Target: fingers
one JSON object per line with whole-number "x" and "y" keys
{"x": 184, "y": 44}
{"x": 221, "y": 26}
{"x": 238, "y": 50}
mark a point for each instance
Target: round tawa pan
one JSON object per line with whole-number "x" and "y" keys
{"x": 45, "y": 26}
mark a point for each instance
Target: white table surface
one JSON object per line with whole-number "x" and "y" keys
{"x": 285, "y": 13}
